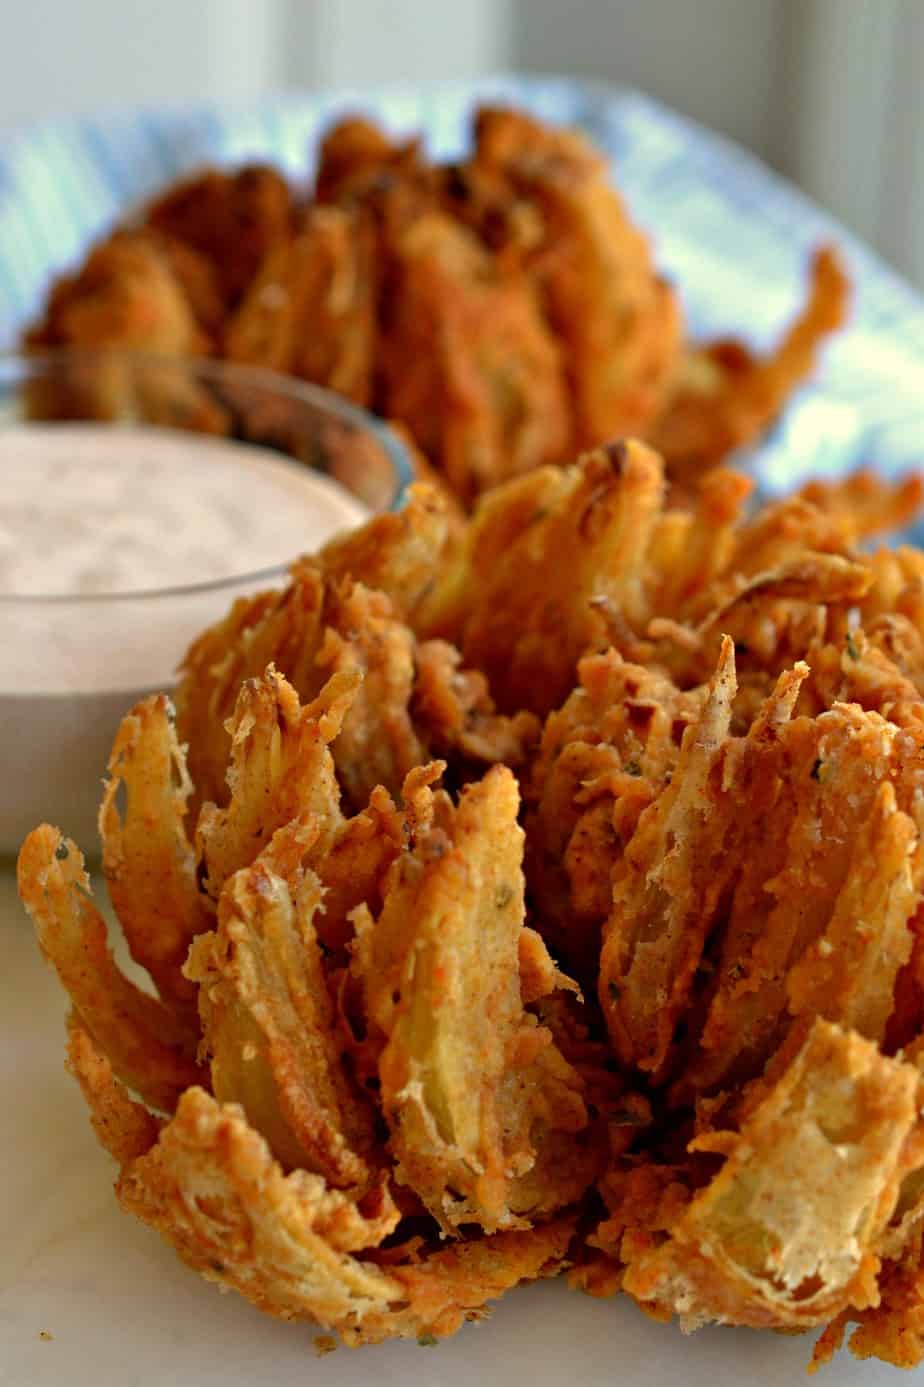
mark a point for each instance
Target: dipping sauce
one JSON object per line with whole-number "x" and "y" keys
{"x": 95, "y": 522}
{"x": 85, "y": 510}
{"x": 89, "y": 511}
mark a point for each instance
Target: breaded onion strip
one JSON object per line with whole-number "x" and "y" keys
{"x": 796, "y": 865}
{"x": 665, "y": 891}
{"x": 148, "y": 860}
{"x": 310, "y": 310}
{"x": 786, "y": 1235}
{"x": 125, "y": 1128}
{"x": 268, "y": 1018}
{"x": 547, "y": 560}
{"x": 377, "y": 743}
{"x": 148, "y": 1048}
{"x": 211, "y": 1188}
{"x": 463, "y": 1080}
{"x": 724, "y": 397}
{"x": 280, "y": 767}
{"x": 848, "y": 975}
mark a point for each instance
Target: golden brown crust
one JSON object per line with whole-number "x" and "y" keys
{"x": 311, "y": 310}
{"x": 719, "y": 1112}
{"x": 665, "y": 892}
{"x": 125, "y": 295}
{"x": 231, "y": 219}
{"x": 279, "y": 769}
{"x": 468, "y": 1081}
{"x": 468, "y": 364}
{"x": 786, "y": 1234}
{"x": 542, "y": 556}
{"x": 148, "y": 860}
{"x": 356, "y": 154}
{"x": 125, "y": 1128}
{"x": 208, "y": 1184}
{"x": 504, "y": 309}
{"x": 149, "y": 1050}
{"x": 619, "y": 324}
{"x": 268, "y": 1018}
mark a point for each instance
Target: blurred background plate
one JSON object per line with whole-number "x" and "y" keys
{"x": 733, "y": 234}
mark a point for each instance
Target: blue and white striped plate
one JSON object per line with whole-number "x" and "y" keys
{"x": 734, "y": 236}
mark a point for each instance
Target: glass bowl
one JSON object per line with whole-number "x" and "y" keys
{"x": 72, "y": 664}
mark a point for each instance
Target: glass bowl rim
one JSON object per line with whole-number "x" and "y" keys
{"x": 261, "y": 377}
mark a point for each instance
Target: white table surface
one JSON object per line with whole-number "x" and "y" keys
{"x": 122, "y": 1311}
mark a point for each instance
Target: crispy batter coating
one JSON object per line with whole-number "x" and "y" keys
{"x": 207, "y": 1182}
{"x": 311, "y": 310}
{"x": 413, "y": 702}
{"x": 399, "y": 553}
{"x": 378, "y": 744}
{"x": 234, "y": 220}
{"x": 211, "y": 1187}
{"x": 619, "y": 324}
{"x": 802, "y": 881}
{"x": 126, "y": 294}
{"x": 603, "y": 755}
{"x": 562, "y": 562}
{"x": 279, "y": 768}
{"x": 718, "y": 719}
{"x": 892, "y": 1331}
{"x": 468, "y": 363}
{"x": 148, "y": 1048}
{"x": 504, "y": 309}
{"x": 786, "y": 1235}
{"x": 865, "y": 504}
{"x": 258, "y": 631}
{"x": 268, "y": 1018}
{"x": 665, "y": 890}
{"x": 541, "y": 556}
{"x": 282, "y": 773}
{"x": 736, "y": 892}
{"x": 125, "y": 1128}
{"x": 148, "y": 860}
{"x": 200, "y": 282}
{"x": 310, "y": 629}
{"x": 137, "y": 291}
{"x": 467, "y": 1078}
{"x": 456, "y": 708}
{"x": 287, "y": 1242}
{"x": 453, "y": 1284}
{"x": 356, "y": 154}
{"x": 850, "y": 972}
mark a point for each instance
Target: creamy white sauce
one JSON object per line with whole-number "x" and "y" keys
{"x": 87, "y": 510}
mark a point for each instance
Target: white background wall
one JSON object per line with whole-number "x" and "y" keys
{"x": 715, "y": 60}
{"x": 73, "y": 55}
{"x": 828, "y": 90}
